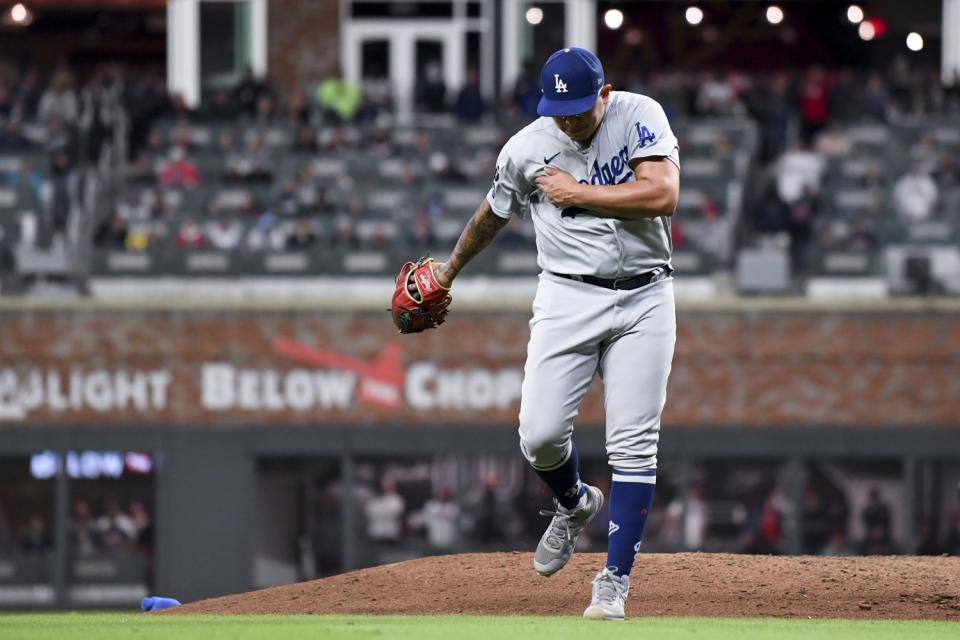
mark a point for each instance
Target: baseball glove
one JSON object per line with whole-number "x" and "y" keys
{"x": 425, "y": 310}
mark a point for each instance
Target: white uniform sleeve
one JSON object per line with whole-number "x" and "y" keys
{"x": 510, "y": 193}
{"x": 650, "y": 134}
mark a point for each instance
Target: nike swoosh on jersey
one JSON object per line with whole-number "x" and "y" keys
{"x": 547, "y": 160}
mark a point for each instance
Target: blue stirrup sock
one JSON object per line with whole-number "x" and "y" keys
{"x": 564, "y": 480}
{"x": 631, "y": 496}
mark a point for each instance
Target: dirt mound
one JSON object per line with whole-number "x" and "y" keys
{"x": 663, "y": 584}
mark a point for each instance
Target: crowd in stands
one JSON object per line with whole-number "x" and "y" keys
{"x": 241, "y": 173}
{"x": 112, "y": 529}
{"x": 403, "y": 513}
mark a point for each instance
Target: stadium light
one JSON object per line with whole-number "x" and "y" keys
{"x": 855, "y": 14}
{"x": 774, "y": 14}
{"x": 18, "y": 15}
{"x": 534, "y": 15}
{"x": 694, "y": 15}
{"x": 613, "y": 18}
{"x": 866, "y": 31}
{"x": 914, "y": 41}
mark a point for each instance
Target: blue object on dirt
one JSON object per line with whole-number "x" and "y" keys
{"x": 155, "y": 603}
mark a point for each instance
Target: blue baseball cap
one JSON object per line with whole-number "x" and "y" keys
{"x": 571, "y": 80}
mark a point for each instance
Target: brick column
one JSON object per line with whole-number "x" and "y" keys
{"x": 304, "y": 42}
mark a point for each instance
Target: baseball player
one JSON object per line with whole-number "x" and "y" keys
{"x": 599, "y": 173}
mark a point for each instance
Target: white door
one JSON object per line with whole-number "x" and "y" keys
{"x": 410, "y": 48}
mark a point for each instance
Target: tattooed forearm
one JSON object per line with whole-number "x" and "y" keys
{"x": 476, "y": 236}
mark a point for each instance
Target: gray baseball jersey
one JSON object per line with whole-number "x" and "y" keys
{"x": 572, "y": 240}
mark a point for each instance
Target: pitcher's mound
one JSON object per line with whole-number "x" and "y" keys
{"x": 683, "y": 584}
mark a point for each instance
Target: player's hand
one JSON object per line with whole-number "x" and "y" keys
{"x": 559, "y": 187}
{"x": 438, "y": 272}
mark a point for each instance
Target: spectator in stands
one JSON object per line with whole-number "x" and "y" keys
{"x": 877, "y": 524}
{"x": 915, "y": 195}
{"x": 221, "y": 106}
{"x": 816, "y": 521}
{"x": 716, "y": 97}
{"x": 814, "y": 103}
{"x": 265, "y": 234}
{"x": 377, "y": 93}
{"x": 763, "y": 536}
{"x": 875, "y": 97}
{"x": 102, "y": 104}
{"x": 27, "y": 93}
{"x": 31, "y": 185}
{"x": 59, "y": 101}
{"x": 183, "y": 136}
{"x": 115, "y": 528}
{"x": 11, "y": 136}
{"x": 925, "y": 152}
{"x": 224, "y": 234}
{"x": 36, "y": 540}
{"x": 249, "y": 91}
{"x": 305, "y": 140}
{"x": 378, "y": 143}
{"x": 179, "y": 170}
{"x": 687, "y": 520}
{"x": 526, "y": 90}
{"x": 190, "y": 236}
{"x": 339, "y": 98}
{"x": 768, "y": 210}
{"x": 431, "y": 92}
{"x": 798, "y": 174}
{"x": 111, "y": 233}
{"x": 800, "y": 216}
{"x": 302, "y": 236}
{"x": 846, "y": 98}
{"x": 266, "y": 110}
{"x": 62, "y": 188}
{"x": 140, "y": 236}
{"x": 947, "y": 172}
{"x": 134, "y": 208}
{"x": 470, "y": 105}
{"x": 493, "y": 514}
{"x": 287, "y": 200}
{"x": 385, "y": 513}
{"x": 440, "y": 518}
{"x": 179, "y": 108}
{"x": 770, "y": 104}
{"x": 83, "y": 535}
{"x": 146, "y": 101}
{"x": 142, "y": 524}
{"x": 253, "y": 164}
{"x": 298, "y": 108}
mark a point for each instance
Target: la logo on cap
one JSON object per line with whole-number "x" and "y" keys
{"x": 561, "y": 86}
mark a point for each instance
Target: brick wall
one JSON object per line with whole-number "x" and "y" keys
{"x": 303, "y": 41}
{"x": 733, "y": 369}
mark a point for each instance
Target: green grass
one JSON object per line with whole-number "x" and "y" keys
{"x": 111, "y": 626}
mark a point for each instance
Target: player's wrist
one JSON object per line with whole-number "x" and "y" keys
{"x": 580, "y": 195}
{"x": 444, "y": 274}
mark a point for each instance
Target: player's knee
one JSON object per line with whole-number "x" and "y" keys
{"x": 634, "y": 448}
{"x": 544, "y": 451}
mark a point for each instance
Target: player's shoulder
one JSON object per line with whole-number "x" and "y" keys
{"x": 530, "y": 139}
{"x": 630, "y": 102}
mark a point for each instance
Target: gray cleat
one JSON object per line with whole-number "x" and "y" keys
{"x": 609, "y": 596}
{"x": 557, "y": 544}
